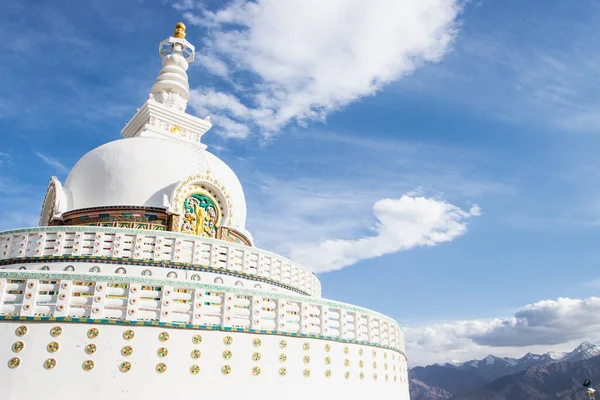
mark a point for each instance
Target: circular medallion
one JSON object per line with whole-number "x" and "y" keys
{"x": 93, "y": 333}
{"x": 306, "y": 346}
{"x": 227, "y": 340}
{"x": 17, "y": 347}
{"x": 126, "y": 351}
{"x": 306, "y": 373}
{"x": 384, "y": 356}
{"x": 374, "y": 377}
{"x": 374, "y": 365}
{"x": 196, "y": 354}
{"x": 128, "y": 334}
{"x": 161, "y": 368}
{"x": 50, "y": 363}
{"x": 360, "y": 352}
{"x": 327, "y": 373}
{"x": 14, "y": 363}
{"x": 346, "y": 350}
{"x": 163, "y": 336}
{"x": 386, "y": 377}
{"x": 56, "y": 331}
{"x": 282, "y": 358}
{"x": 52, "y": 347}
{"x": 282, "y": 371}
{"x": 125, "y": 366}
{"x": 90, "y": 348}
{"x": 196, "y": 339}
{"x": 226, "y": 370}
{"x": 306, "y": 359}
{"x": 195, "y": 277}
{"x": 256, "y": 342}
{"x": 227, "y": 354}
{"x": 361, "y": 364}
{"x": 162, "y": 352}
{"x": 361, "y": 375}
{"x": 175, "y": 129}
{"x": 256, "y": 371}
{"x": 327, "y": 360}
{"x": 147, "y": 272}
{"x": 256, "y": 357}
{"x": 194, "y": 369}
{"x": 385, "y": 366}
{"x": 347, "y": 375}
{"x": 347, "y": 362}
{"x": 282, "y": 344}
{"x": 21, "y": 331}
{"x": 374, "y": 353}
{"x": 87, "y": 365}
{"x": 327, "y": 348}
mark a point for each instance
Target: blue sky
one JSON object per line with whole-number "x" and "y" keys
{"x": 322, "y": 115}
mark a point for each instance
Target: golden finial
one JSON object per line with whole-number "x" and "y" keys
{"x": 179, "y": 30}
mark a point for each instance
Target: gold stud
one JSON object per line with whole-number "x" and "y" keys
{"x": 256, "y": 371}
{"x": 282, "y": 371}
{"x": 327, "y": 348}
{"x": 256, "y": 357}
{"x": 346, "y": 350}
{"x": 17, "y": 347}
{"x": 90, "y": 348}
{"x": 328, "y": 373}
{"x": 194, "y": 369}
{"x": 227, "y": 354}
{"x": 93, "y": 333}
{"x": 347, "y": 375}
{"x": 306, "y": 346}
{"x": 306, "y": 359}
{"x": 256, "y": 342}
{"x": 161, "y": 368}
{"x": 128, "y": 334}
{"x": 306, "y": 373}
{"x": 196, "y": 354}
{"x": 162, "y": 352}
{"x": 53, "y": 347}
{"x": 56, "y": 331}
{"x": 50, "y": 363}
{"x": 282, "y": 344}
{"x": 125, "y": 366}
{"x": 126, "y": 351}
{"x": 197, "y": 339}
{"x": 163, "y": 336}
{"x": 21, "y": 330}
{"x": 87, "y": 365}
{"x": 227, "y": 340}
{"x": 226, "y": 370}
{"x": 14, "y": 363}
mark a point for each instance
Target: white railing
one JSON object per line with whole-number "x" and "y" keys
{"x": 154, "y": 246}
{"x": 37, "y": 294}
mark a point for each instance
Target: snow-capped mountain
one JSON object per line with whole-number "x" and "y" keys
{"x": 453, "y": 375}
{"x": 584, "y": 351}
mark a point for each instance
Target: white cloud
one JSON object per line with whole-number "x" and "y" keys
{"x": 307, "y": 58}
{"x": 402, "y": 224}
{"x": 539, "y": 327}
{"x": 54, "y": 163}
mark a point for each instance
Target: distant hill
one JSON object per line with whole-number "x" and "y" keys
{"x": 547, "y": 376}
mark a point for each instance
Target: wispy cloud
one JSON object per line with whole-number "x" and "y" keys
{"x": 54, "y": 163}
{"x": 545, "y": 325}
{"x": 291, "y": 73}
{"x": 402, "y": 224}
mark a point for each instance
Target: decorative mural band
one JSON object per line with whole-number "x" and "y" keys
{"x": 201, "y": 215}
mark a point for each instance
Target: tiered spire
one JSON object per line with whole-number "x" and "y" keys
{"x": 163, "y": 114}
{"x": 171, "y": 87}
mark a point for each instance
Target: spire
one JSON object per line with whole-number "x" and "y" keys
{"x": 163, "y": 113}
{"x": 171, "y": 87}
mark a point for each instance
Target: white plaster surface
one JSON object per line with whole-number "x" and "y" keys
{"x": 69, "y": 381}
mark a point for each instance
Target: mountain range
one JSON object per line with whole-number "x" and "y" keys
{"x": 547, "y": 376}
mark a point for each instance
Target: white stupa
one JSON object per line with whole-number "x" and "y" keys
{"x": 142, "y": 282}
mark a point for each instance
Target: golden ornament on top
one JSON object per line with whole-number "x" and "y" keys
{"x": 179, "y": 30}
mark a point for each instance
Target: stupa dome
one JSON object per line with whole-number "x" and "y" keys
{"x": 145, "y": 171}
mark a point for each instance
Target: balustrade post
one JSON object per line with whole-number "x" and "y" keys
{"x": 226, "y": 309}
{"x": 343, "y": 325}
{"x": 281, "y": 315}
{"x": 324, "y": 320}
{"x": 29, "y": 297}
{"x": 256, "y": 312}
{"x": 166, "y": 299}
{"x": 100, "y": 290}
{"x": 64, "y": 298}
{"x": 198, "y": 307}
{"x": 133, "y": 300}
{"x": 2, "y": 293}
